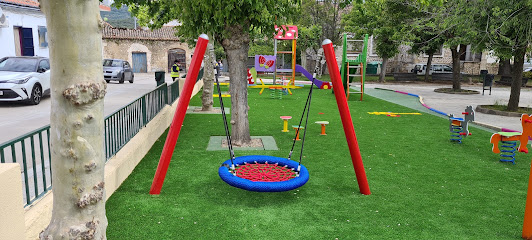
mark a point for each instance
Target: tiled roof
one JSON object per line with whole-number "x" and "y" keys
{"x": 162, "y": 34}
{"x": 104, "y": 8}
{"x": 25, "y": 3}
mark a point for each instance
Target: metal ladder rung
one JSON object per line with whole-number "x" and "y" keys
{"x": 354, "y": 75}
{"x": 354, "y": 66}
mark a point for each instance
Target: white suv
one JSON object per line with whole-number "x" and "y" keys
{"x": 24, "y": 79}
{"x": 436, "y": 68}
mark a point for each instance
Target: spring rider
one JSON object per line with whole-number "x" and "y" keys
{"x": 459, "y": 126}
{"x": 509, "y": 140}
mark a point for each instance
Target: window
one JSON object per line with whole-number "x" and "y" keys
{"x": 436, "y": 68}
{"x": 18, "y": 64}
{"x": 112, "y": 63}
{"x": 437, "y": 53}
{"x": 470, "y": 56}
{"x": 43, "y": 37}
{"x": 44, "y": 64}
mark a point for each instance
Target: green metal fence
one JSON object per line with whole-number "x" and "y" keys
{"x": 173, "y": 92}
{"x": 125, "y": 123}
{"x": 32, "y": 150}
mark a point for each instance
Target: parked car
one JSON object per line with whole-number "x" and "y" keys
{"x": 24, "y": 79}
{"x": 117, "y": 70}
{"x": 435, "y": 68}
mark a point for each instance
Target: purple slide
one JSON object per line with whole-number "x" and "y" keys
{"x": 320, "y": 84}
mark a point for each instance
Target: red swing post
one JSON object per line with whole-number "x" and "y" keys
{"x": 179, "y": 116}
{"x": 345, "y": 115}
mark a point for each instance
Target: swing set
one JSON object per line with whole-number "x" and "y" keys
{"x": 257, "y": 172}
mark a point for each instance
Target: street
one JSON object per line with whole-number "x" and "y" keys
{"x": 19, "y": 118}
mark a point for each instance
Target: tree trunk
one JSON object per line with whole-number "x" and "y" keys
{"x": 517, "y": 79}
{"x": 456, "y": 68}
{"x": 429, "y": 64}
{"x": 208, "y": 78}
{"x": 236, "y": 48}
{"x": 76, "y": 120}
{"x": 505, "y": 68}
{"x": 383, "y": 70}
{"x": 304, "y": 58}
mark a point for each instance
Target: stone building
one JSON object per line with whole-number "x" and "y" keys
{"x": 470, "y": 62}
{"x": 146, "y": 50}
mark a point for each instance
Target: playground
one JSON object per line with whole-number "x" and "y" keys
{"x": 422, "y": 184}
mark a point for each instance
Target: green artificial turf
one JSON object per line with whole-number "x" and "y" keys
{"x": 423, "y": 186}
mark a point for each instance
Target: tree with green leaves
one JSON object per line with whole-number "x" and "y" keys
{"x": 498, "y": 25}
{"x": 506, "y": 28}
{"x": 324, "y": 14}
{"x": 446, "y": 23}
{"x": 379, "y": 19}
{"x": 422, "y": 37}
{"x": 309, "y": 38}
{"x": 231, "y": 24}
{"x": 427, "y": 43}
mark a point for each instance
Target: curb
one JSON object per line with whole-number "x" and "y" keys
{"x": 480, "y": 108}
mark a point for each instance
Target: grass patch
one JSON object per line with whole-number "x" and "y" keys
{"x": 504, "y": 108}
{"x": 423, "y": 186}
{"x": 455, "y": 91}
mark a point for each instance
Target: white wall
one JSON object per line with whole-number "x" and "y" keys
{"x": 21, "y": 17}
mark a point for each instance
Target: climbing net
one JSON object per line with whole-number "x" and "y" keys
{"x": 264, "y": 172}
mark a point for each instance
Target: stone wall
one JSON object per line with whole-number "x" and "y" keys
{"x": 156, "y": 51}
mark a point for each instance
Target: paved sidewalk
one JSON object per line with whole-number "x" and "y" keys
{"x": 453, "y": 103}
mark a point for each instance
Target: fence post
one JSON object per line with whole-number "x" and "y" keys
{"x": 144, "y": 114}
{"x": 166, "y": 94}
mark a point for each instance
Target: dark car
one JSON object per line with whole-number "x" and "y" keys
{"x": 117, "y": 70}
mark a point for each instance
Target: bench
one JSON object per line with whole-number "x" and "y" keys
{"x": 444, "y": 77}
{"x": 507, "y": 80}
{"x": 405, "y": 77}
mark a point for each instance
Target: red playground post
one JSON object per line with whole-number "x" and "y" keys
{"x": 177, "y": 122}
{"x": 527, "y": 223}
{"x": 346, "y": 117}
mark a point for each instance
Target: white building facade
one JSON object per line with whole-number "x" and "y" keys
{"x": 23, "y": 29}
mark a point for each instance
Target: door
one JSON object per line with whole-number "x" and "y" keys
{"x": 180, "y": 55}
{"x": 23, "y": 41}
{"x": 26, "y": 37}
{"x": 140, "y": 64}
